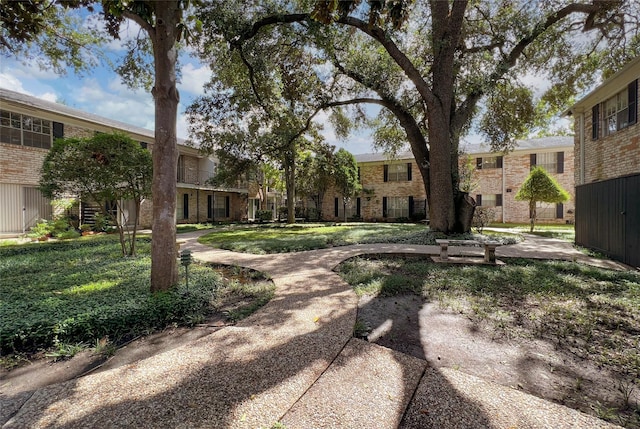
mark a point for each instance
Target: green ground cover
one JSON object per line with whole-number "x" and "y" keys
{"x": 62, "y": 294}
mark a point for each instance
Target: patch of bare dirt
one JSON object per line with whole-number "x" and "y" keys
{"x": 445, "y": 338}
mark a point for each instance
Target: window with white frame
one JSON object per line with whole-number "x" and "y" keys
{"x": 548, "y": 161}
{"x": 546, "y": 211}
{"x": 220, "y": 207}
{"x": 397, "y": 207}
{"x": 24, "y": 130}
{"x": 616, "y": 113}
{"x": 489, "y": 162}
{"x": 489, "y": 200}
{"x": 352, "y": 207}
{"x": 397, "y": 172}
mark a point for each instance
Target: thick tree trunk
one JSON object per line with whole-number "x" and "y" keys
{"x": 164, "y": 267}
{"x": 441, "y": 205}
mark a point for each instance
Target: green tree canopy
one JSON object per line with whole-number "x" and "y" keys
{"x": 434, "y": 66}
{"x": 540, "y": 187}
{"x": 104, "y": 168}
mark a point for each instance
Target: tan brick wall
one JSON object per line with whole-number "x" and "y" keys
{"x": 372, "y": 179}
{"x": 615, "y": 155}
{"x": 517, "y": 167}
{"x": 20, "y": 164}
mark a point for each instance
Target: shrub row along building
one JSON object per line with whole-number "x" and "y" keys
{"x": 599, "y": 167}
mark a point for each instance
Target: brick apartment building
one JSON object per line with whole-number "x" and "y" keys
{"x": 28, "y": 126}
{"x": 393, "y": 189}
{"x": 607, "y": 166}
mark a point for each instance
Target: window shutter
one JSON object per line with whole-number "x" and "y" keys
{"x": 498, "y": 200}
{"x": 409, "y": 171}
{"x": 559, "y": 211}
{"x": 410, "y": 206}
{"x": 479, "y": 163}
{"x": 386, "y": 173}
{"x": 633, "y": 102}
{"x": 478, "y": 200}
{"x": 336, "y": 207}
{"x": 185, "y": 206}
{"x": 532, "y": 159}
{"x": 227, "y": 206}
{"x": 560, "y": 161}
{"x": 358, "y": 206}
{"x": 58, "y": 130}
{"x": 499, "y": 162}
{"x": 595, "y": 122}
{"x": 384, "y": 206}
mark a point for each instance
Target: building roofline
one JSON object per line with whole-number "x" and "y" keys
{"x": 526, "y": 145}
{"x": 30, "y": 102}
{"x": 613, "y": 85}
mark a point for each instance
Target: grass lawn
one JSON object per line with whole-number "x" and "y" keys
{"x": 71, "y": 293}
{"x": 561, "y": 231}
{"x": 266, "y": 239}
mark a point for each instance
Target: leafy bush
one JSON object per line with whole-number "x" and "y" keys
{"x": 264, "y": 215}
{"x": 50, "y": 228}
{"x": 67, "y": 235}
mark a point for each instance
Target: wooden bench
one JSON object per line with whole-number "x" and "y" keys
{"x": 489, "y": 248}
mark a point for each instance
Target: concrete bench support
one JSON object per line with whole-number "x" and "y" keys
{"x": 489, "y": 248}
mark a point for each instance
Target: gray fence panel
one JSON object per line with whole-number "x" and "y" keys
{"x": 608, "y": 218}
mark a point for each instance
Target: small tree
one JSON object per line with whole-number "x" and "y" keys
{"x": 104, "y": 168}
{"x": 540, "y": 187}
{"x": 346, "y": 177}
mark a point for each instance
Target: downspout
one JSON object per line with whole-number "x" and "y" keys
{"x": 198, "y": 205}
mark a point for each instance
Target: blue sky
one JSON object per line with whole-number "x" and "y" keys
{"x": 101, "y": 91}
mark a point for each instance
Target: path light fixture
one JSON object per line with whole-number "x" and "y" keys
{"x": 185, "y": 260}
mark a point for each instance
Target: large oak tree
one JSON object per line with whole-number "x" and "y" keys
{"x": 434, "y": 64}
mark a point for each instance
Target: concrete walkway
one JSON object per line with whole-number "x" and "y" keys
{"x": 294, "y": 361}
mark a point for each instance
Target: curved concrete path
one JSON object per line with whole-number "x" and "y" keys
{"x": 294, "y": 361}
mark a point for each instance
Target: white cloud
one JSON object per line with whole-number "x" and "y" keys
{"x": 11, "y": 82}
{"x": 25, "y": 71}
{"x": 182, "y": 126}
{"x": 49, "y": 96}
{"x": 116, "y": 101}
{"x": 194, "y": 78}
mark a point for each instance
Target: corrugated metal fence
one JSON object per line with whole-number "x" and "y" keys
{"x": 608, "y": 218}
